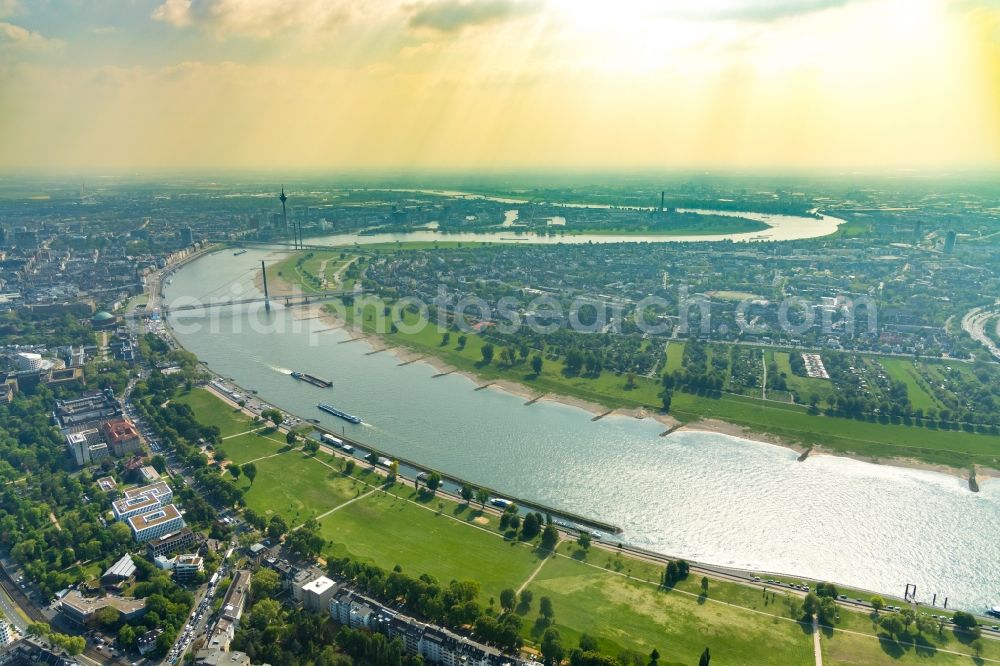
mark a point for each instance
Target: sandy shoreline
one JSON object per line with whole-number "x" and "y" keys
{"x": 407, "y": 355}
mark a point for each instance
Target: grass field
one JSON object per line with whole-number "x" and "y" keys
{"x": 298, "y": 487}
{"x": 387, "y": 530}
{"x": 240, "y": 449}
{"x": 626, "y": 614}
{"x": 210, "y": 411}
{"x": 903, "y": 371}
{"x": 844, "y": 646}
{"x": 321, "y": 265}
{"x": 805, "y": 386}
{"x": 675, "y": 356}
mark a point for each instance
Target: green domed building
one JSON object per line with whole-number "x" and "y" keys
{"x": 103, "y": 320}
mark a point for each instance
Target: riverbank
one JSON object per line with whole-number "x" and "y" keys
{"x": 789, "y": 426}
{"x": 743, "y": 576}
{"x": 783, "y": 424}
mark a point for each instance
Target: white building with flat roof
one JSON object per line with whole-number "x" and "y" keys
{"x": 146, "y": 526}
{"x": 144, "y": 499}
{"x": 316, "y": 594}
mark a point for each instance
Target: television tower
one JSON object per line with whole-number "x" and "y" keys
{"x": 284, "y": 217}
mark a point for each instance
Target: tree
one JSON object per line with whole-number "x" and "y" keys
{"x": 127, "y": 636}
{"x": 487, "y": 352}
{"x": 433, "y": 482}
{"x": 667, "y": 400}
{"x": 584, "y": 542}
{"x": 705, "y": 658}
{"x": 482, "y": 496}
{"x": 311, "y": 447}
{"x": 550, "y": 537}
{"x": 235, "y": 471}
{"x": 265, "y": 613}
{"x": 588, "y": 643}
{"x": 683, "y": 568}
{"x": 654, "y": 657}
{"x": 159, "y": 463}
{"x": 925, "y": 624}
{"x": 273, "y": 415}
{"x": 893, "y": 625}
{"x": 277, "y": 527}
{"x": 291, "y": 438}
{"x": 530, "y": 527}
{"x": 40, "y": 629}
{"x": 508, "y": 600}
{"x": 810, "y": 604}
{"x": 250, "y": 471}
{"x": 536, "y": 364}
{"x": 827, "y": 590}
{"x": 306, "y": 540}
{"x": 545, "y": 608}
{"x": 964, "y": 620}
{"x": 704, "y": 585}
{"x": 878, "y": 603}
{"x": 107, "y": 617}
{"x": 671, "y": 574}
{"x": 527, "y": 596}
{"x": 551, "y": 647}
{"x": 468, "y": 493}
{"x": 265, "y": 583}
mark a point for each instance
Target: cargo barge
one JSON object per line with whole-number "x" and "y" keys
{"x": 310, "y": 379}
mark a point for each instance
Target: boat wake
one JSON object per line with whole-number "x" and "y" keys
{"x": 284, "y": 371}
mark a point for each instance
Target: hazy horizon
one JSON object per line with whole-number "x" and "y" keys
{"x": 832, "y": 85}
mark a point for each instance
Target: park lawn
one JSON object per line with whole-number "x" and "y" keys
{"x": 388, "y": 530}
{"x": 628, "y": 614}
{"x": 675, "y": 356}
{"x": 903, "y": 371}
{"x": 210, "y": 410}
{"x": 244, "y": 448}
{"x": 875, "y": 647}
{"x": 881, "y": 441}
{"x": 746, "y": 596}
{"x": 296, "y": 487}
{"x": 803, "y": 386}
{"x": 607, "y": 389}
{"x": 308, "y": 274}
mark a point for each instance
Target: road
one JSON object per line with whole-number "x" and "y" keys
{"x": 763, "y": 384}
{"x": 197, "y": 620}
{"x": 12, "y": 612}
{"x": 974, "y": 323}
{"x": 816, "y": 646}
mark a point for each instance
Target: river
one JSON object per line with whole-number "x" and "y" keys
{"x": 705, "y": 496}
{"x": 779, "y": 228}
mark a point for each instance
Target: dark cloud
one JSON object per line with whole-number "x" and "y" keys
{"x": 455, "y": 15}
{"x": 761, "y": 11}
